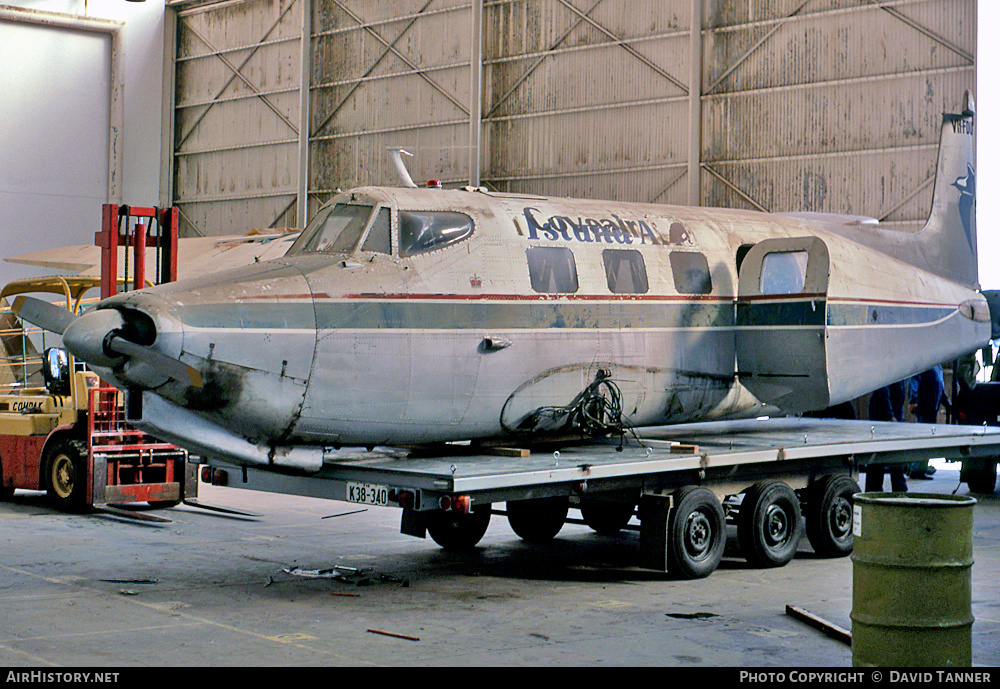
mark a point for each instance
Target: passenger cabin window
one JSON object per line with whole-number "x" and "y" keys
{"x": 690, "y": 271}
{"x": 783, "y": 272}
{"x": 335, "y": 230}
{"x": 378, "y": 235}
{"x": 423, "y": 231}
{"x": 626, "y": 271}
{"x": 552, "y": 269}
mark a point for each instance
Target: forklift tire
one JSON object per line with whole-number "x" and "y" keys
{"x": 66, "y": 474}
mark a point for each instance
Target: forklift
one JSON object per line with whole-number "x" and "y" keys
{"x": 62, "y": 430}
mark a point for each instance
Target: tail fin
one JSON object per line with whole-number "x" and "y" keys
{"x": 948, "y": 240}
{"x": 946, "y": 245}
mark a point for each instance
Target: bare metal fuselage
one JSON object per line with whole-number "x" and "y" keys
{"x": 405, "y": 316}
{"x": 456, "y": 343}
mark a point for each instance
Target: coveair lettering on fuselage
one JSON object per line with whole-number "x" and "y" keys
{"x": 612, "y": 230}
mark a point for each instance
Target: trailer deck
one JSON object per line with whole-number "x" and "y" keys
{"x": 660, "y": 456}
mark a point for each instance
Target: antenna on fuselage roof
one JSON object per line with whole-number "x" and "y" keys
{"x": 397, "y": 158}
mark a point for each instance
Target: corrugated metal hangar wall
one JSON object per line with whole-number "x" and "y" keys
{"x": 816, "y": 105}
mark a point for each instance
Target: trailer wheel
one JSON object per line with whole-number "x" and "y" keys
{"x": 606, "y": 517}
{"x": 457, "y": 530}
{"x": 696, "y": 533}
{"x": 830, "y": 515}
{"x": 768, "y": 524}
{"x": 66, "y": 474}
{"x": 981, "y": 479}
{"x": 537, "y": 520}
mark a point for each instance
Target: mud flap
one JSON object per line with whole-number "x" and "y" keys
{"x": 654, "y": 516}
{"x": 413, "y": 523}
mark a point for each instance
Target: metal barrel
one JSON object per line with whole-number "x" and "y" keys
{"x": 912, "y": 597}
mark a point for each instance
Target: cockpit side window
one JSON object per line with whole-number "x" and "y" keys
{"x": 552, "y": 270}
{"x": 336, "y": 230}
{"x": 378, "y": 236}
{"x": 423, "y": 231}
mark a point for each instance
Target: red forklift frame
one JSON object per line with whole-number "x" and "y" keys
{"x": 138, "y": 227}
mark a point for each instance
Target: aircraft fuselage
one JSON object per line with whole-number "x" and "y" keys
{"x": 450, "y": 314}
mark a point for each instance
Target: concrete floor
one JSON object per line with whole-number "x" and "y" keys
{"x": 206, "y": 590}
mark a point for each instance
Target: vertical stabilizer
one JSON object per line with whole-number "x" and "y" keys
{"x": 948, "y": 240}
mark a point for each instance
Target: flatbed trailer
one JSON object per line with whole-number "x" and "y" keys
{"x": 688, "y": 481}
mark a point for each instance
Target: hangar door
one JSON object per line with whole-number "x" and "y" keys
{"x": 785, "y": 105}
{"x": 56, "y": 167}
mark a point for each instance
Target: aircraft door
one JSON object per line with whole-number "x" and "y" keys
{"x": 781, "y": 317}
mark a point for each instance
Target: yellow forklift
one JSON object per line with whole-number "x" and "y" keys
{"x": 61, "y": 429}
{"x": 64, "y": 432}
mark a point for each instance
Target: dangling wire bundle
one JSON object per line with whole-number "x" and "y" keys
{"x": 599, "y": 411}
{"x": 596, "y": 411}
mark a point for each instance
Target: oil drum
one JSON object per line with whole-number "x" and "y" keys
{"x": 912, "y": 595}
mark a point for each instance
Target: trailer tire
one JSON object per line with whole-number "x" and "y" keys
{"x": 606, "y": 517}
{"x": 458, "y": 530}
{"x": 537, "y": 520}
{"x": 982, "y": 479}
{"x": 830, "y": 515}
{"x": 768, "y": 524}
{"x": 696, "y": 533}
{"x": 66, "y": 474}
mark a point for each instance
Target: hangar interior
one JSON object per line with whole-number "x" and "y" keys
{"x": 821, "y": 105}
{"x": 248, "y": 115}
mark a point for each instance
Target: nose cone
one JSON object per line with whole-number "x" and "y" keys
{"x": 131, "y": 340}
{"x": 85, "y": 337}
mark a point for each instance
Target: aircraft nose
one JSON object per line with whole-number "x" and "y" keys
{"x": 126, "y": 337}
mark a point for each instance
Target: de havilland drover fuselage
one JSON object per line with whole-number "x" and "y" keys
{"x": 406, "y": 316}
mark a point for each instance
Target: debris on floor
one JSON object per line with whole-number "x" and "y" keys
{"x": 691, "y": 615}
{"x": 816, "y": 622}
{"x": 347, "y": 575}
{"x": 392, "y": 634}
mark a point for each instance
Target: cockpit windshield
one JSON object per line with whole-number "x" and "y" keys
{"x": 335, "y": 230}
{"x": 423, "y": 231}
{"x": 339, "y": 229}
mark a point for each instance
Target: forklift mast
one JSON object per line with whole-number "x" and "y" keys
{"x": 137, "y": 227}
